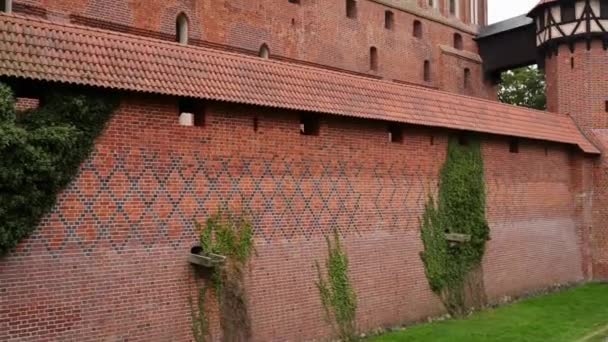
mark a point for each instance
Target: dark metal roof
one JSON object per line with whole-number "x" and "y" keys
{"x": 505, "y": 26}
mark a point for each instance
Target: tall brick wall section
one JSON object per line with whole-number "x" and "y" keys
{"x": 109, "y": 262}
{"x": 315, "y": 32}
{"x": 577, "y": 85}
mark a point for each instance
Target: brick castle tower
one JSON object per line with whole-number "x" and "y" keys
{"x": 572, "y": 42}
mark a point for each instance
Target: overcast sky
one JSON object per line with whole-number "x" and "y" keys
{"x": 505, "y": 9}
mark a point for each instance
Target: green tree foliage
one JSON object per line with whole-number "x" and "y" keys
{"x": 523, "y": 87}
{"x": 460, "y": 209}
{"x": 41, "y": 152}
{"x": 337, "y": 294}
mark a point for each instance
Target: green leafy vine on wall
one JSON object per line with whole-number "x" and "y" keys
{"x": 41, "y": 152}
{"x": 337, "y": 294}
{"x": 200, "y": 322}
{"x": 229, "y": 235}
{"x": 454, "y": 269}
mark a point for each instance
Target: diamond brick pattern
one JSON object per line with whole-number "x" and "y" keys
{"x": 157, "y": 203}
{"x": 43, "y": 50}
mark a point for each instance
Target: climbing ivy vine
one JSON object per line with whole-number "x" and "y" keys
{"x": 454, "y": 269}
{"x": 41, "y": 151}
{"x": 337, "y": 294}
{"x": 227, "y": 234}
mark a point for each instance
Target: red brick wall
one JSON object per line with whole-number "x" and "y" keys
{"x": 315, "y": 31}
{"x": 576, "y": 85}
{"x": 566, "y": 84}
{"x": 109, "y": 263}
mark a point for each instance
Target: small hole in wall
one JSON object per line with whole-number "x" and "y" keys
{"x": 395, "y": 134}
{"x": 571, "y": 62}
{"x": 606, "y": 106}
{"x": 463, "y": 140}
{"x": 309, "y": 124}
{"x": 514, "y": 146}
{"x": 255, "y": 124}
{"x": 293, "y": 22}
{"x": 432, "y": 140}
{"x": 191, "y": 113}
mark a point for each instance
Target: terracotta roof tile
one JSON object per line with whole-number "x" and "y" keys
{"x": 42, "y": 50}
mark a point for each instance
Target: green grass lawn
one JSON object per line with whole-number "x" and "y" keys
{"x": 570, "y": 315}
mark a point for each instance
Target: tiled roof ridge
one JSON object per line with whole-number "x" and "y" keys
{"x": 41, "y": 49}
{"x": 166, "y": 44}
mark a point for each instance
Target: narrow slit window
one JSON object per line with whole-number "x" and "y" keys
{"x": 427, "y": 71}
{"x": 297, "y": 2}
{"x": 606, "y": 106}
{"x": 395, "y": 134}
{"x": 256, "y": 124}
{"x": 351, "y": 9}
{"x": 568, "y": 12}
{"x": 417, "y": 29}
{"x": 389, "y": 20}
{"x": 181, "y": 29}
{"x": 458, "y": 41}
{"x": 514, "y": 146}
{"x": 373, "y": 58}
{"x": 191, "y": 113}
{"x": 467, "y": 78}
{"x": 309, "y": 124}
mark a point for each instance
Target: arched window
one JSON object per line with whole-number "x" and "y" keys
{"x": 6, "y": 6}
{"x": 427, "y": 71}
{"x": 467, "y": 78}
{"x": 351, "y": 8}
{"x": 373, "y": 58}
{"x": 417, "y": 29}
{"x": 458, "y": 41}
{"x": 181, "y": 29}
{"x": 264, "y": 51}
